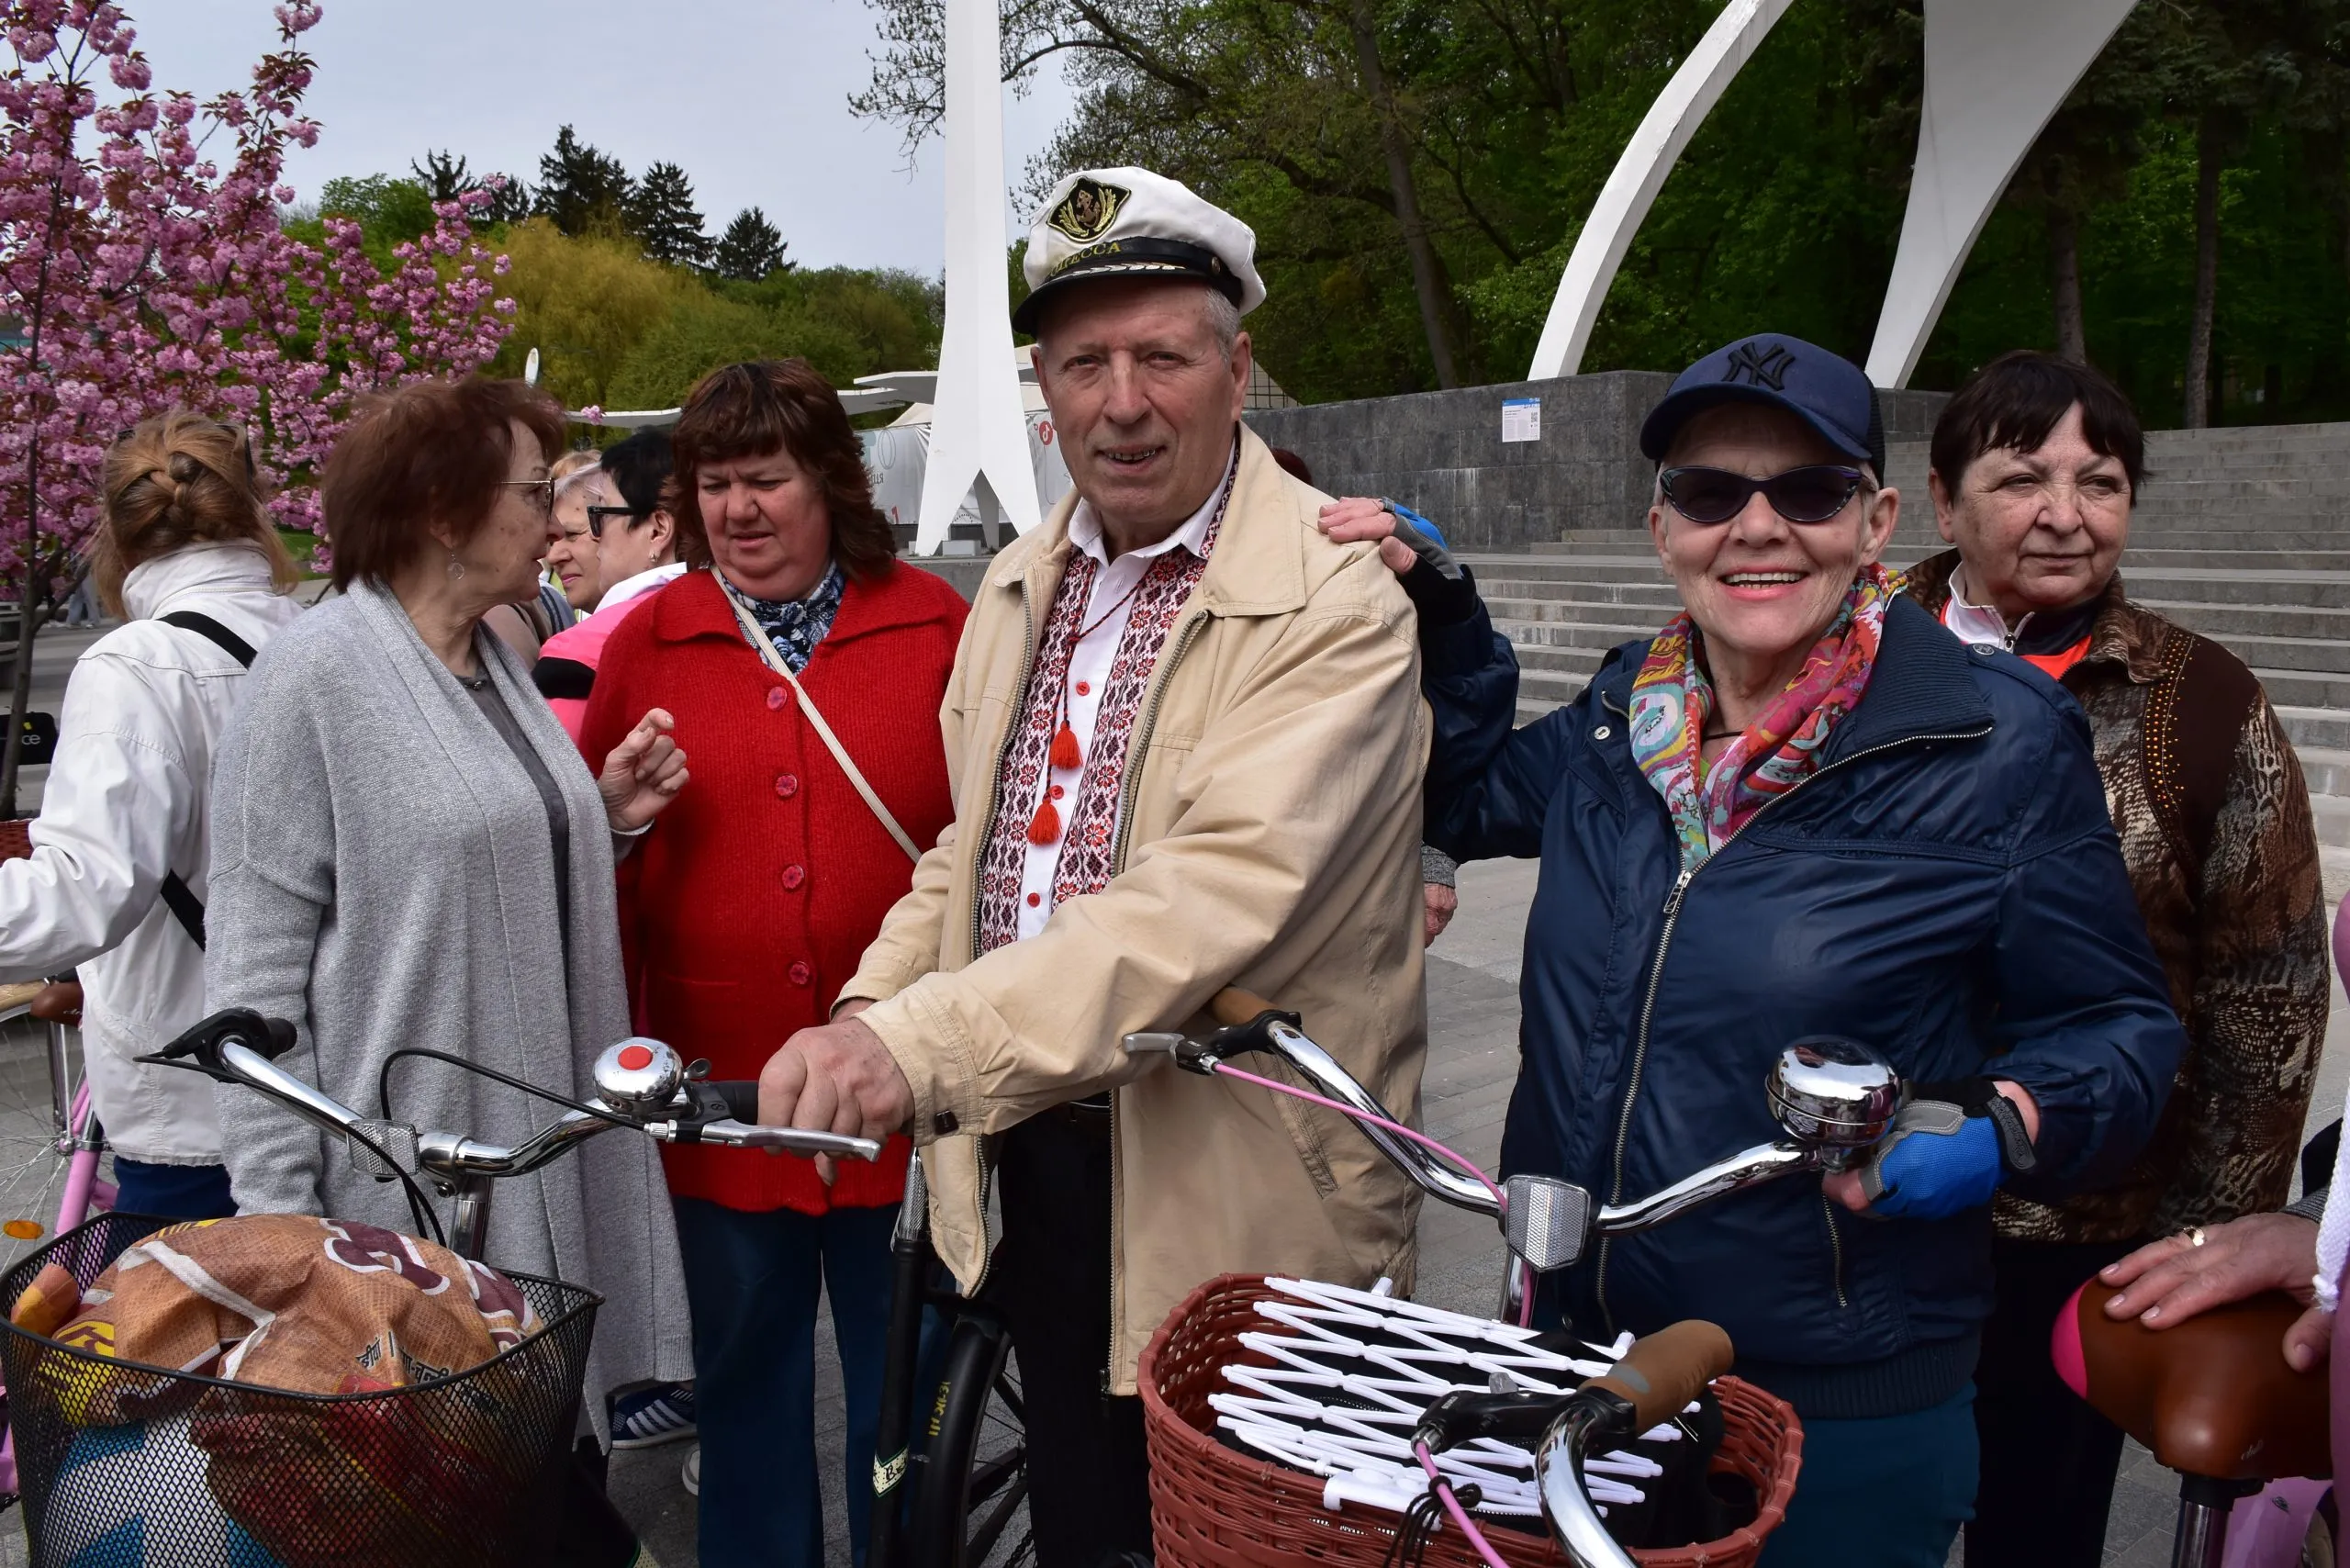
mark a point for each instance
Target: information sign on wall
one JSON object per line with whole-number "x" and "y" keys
{"x": 1521, "y": 419}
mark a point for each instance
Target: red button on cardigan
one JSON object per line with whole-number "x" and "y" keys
{"x": 709, "y": 928}
{"x": 775, "y": 696}
{"x": 800, "y": 974}
{"x": 793, "y": 876}
{"x": 787, "y": 785}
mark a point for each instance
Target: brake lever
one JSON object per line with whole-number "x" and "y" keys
{"x": 1517, "y": 1418}
{"x": 266, "y": 1038}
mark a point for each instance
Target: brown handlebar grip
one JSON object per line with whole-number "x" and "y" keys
{"x": 1232, "y": 1007}
{"x": 1667, "y": 1370}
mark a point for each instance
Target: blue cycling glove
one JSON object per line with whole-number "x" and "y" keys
{"x": 1950, "y": 1148}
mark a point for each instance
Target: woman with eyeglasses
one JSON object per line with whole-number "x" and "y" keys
{"x": 1803, "y": 808}
{"x": 574, "y": 559}
{"x": 187, "y": 555}
{"x": 407, "y": 851}
{"x": 632, "y": 541}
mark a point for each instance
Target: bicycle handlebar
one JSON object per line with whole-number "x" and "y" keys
{"x": 641, "y": 1083}
{"x": 1834, "y": 1098}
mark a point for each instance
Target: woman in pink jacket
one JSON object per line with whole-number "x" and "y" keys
{"x": 636, "y": 546}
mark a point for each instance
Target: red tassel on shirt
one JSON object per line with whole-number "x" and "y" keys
{"x": 1045, "y": 827}
{"x": 1065, "y": 753}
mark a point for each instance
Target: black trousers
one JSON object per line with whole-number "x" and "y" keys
{"x": 2048, "y": 1459}
{"x": 1089, "y": 1493}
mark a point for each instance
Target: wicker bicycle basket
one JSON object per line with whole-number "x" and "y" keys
{"x": 463, "y": 1469}
{"x": 1214, "y": 1507}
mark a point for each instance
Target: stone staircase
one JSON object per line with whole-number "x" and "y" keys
{"x": 2242, "y": 534}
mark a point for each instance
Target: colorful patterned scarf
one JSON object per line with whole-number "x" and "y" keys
{"x": 794, "y": 625}
{"x": 1672, "y": 699}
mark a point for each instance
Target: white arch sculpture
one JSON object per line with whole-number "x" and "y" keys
{"x": 1631, "y": 187}
{"x": 978, "y": 436}
{"x": 1996, "y": 71}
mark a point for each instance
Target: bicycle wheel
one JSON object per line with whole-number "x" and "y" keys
{"x": 970, "y": 1508}
{"x": 33, "y": 1153}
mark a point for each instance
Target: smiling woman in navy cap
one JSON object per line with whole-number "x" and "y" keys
{"x": 1803, "y": 808}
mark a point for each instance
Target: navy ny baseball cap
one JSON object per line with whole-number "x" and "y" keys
{"x": 1830, "y": 394}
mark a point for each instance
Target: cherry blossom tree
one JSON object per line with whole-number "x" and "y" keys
{"x": 143, "y": 263}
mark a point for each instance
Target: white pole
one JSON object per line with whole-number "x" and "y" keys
{"x": 978, "y": 436}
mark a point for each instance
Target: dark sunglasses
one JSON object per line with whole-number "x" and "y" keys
{"x": 1812, "y": 494}
{"x": 595, "y": 516}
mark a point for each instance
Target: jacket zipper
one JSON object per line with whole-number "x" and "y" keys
{"x": 987, "y": 834}
{"x": 1656, "y": 978}
{"x": 1835, "y": 1253}
{"x": 1137, "y": 747}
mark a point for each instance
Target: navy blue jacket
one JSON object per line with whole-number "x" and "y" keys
{"x": 1947, "y": 888}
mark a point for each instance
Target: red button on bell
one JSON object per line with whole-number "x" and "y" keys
{"x": 637, "y": 1058}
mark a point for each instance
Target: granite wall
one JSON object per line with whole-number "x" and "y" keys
{"x": 1442, "y": 453}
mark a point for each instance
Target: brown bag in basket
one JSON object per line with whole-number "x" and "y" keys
{"x": 289, "y": 1302}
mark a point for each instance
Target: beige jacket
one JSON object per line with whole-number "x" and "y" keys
{"x": 1270, "y": 838}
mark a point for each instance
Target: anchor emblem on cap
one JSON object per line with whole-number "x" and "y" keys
{"x": 1762, "y": 367}
{"x": 1089, "y": 209}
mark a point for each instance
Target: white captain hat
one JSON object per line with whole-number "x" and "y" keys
{"x": 1132, "y": 223}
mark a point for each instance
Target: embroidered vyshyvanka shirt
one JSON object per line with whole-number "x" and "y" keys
{"x": 1101, "y": 679}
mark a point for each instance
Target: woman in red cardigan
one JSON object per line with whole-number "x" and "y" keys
{"x": 761, "y": 887}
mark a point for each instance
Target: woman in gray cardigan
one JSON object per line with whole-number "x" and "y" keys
{"x": 408, "y": 851}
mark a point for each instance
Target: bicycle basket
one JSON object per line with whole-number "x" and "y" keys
{"x": 1211, "y": 1506}
{"x": 463, "y": 1469}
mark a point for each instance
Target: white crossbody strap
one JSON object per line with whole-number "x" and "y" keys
{"x": 760, "y": 641}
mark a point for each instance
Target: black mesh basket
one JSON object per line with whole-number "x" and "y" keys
{"x": 466, "y": 1469}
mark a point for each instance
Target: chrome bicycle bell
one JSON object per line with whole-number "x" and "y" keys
{"x": 1834, "y": 1095}
{"x": 639, "y": 1077}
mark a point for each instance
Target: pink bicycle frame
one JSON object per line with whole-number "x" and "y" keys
{"x": 84, "y": 1196}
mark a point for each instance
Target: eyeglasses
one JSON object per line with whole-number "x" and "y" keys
{"x": 595, "y": 516}
{"x": 543, "y": 498}
{"x": 1811, "y": 493}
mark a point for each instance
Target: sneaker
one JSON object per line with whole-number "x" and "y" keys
{"x": 692, "y": 1476}
{"x": 651, "y": 1417}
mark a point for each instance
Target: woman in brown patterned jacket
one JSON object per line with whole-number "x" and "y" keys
{"x": 2036, "y": 462}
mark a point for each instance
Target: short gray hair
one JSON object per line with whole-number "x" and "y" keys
{"x": 1224, "y": 320}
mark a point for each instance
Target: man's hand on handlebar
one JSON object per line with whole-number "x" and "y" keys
{"x": 837, "y": 1077}
{"x": 1945, "y": 1160}
{"x": 2167, "y": 1282}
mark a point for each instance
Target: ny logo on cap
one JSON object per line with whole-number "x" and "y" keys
{"x": 1762, "y": 367}
{"x": 1089, "y": 209}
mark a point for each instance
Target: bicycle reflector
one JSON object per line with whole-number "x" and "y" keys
{"x": 1548, "y": 1220}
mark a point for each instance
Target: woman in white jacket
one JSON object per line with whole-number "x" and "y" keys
{"x": 118, "y": 872}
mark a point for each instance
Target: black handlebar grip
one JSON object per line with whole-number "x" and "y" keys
{"x": 239, "y": 1023}
{"x": 742, "y": 1097}
{"x": 275, "y": 1040}
{"x": 1667, "y": 1370}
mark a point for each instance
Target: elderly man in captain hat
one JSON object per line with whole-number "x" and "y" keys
{"x": 1187, "y": 741}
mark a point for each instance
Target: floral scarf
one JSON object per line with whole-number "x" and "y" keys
{"x": 1672, "y": 699}
{"x": 794, "y": 625}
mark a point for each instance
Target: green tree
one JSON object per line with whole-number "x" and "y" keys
{"x": 388, "y": 209}
{"x": 585, "y": 303}
{"x": 661, "y": 212}
{"x": 447, "y": 177}
{"x": 750, "y": 249}
{"x": 581, "y": 190}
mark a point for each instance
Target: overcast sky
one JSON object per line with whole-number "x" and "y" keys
{"x": 749, "y": 95}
